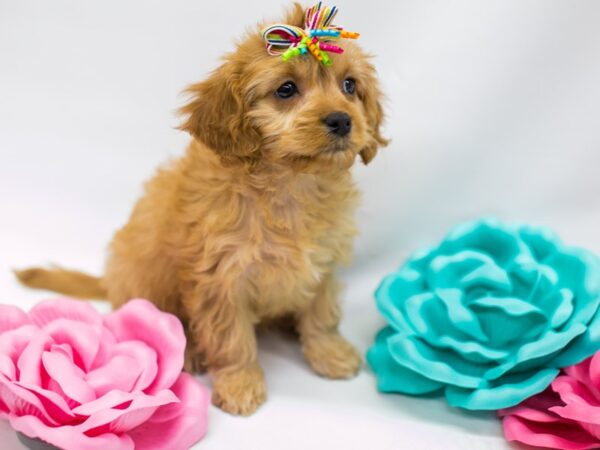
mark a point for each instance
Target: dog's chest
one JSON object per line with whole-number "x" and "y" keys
{"x": 293, "y": 239}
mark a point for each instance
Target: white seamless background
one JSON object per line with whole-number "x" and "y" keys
{"x": 493, "y": 110}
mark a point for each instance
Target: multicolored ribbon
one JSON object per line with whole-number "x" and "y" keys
{"x": 290, "y": 41}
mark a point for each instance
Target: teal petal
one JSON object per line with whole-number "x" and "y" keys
{"x": 420, "y": 259}
{"x": 562, "y": 305}
{"x": 393, "y": 292}
{"x": 506, "y": 320}
{"x": 529, "y": 353}
{"x": 544, "y": 285}
{"x": 541, "y": 241}
{"x": 504, "y": 394}
{"x": 439, "y": 365}
{"x": 392, "y": 377}
{"x": 429, "y": 319}
{"x": 462, "y": 317}
{"x": 471, "y": 351}
{"x": 582, "y": 347}
{"x": 467, "y": 269}
{"x": 420, "y": 307}
{"x": 524, "y": 274}
{"x": 488, "y": 236}
{"x": 580, "y": 273}
{"x": 443, "y": 325}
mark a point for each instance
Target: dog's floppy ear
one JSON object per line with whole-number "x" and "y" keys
{"x": 371, "y": 97}
{"x": 216, "y": 116}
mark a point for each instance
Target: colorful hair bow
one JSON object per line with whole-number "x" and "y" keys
{"x": 316, "y": 37}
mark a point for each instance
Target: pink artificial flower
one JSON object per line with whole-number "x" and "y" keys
{"x": 77, "y": 380}
{"x": 565, "y": 416}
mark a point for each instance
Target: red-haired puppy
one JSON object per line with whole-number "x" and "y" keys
{"x": 251, "y": 223}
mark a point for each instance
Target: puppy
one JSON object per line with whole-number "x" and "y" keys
{"x": 249, "y": 225}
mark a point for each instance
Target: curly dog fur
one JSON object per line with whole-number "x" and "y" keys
{"x": 251, "y": 223}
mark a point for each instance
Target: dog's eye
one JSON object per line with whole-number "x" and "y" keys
{"x": 349, "y": 86}
{"x": 286, "y": 90}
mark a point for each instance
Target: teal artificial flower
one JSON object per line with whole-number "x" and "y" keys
{"x": 488, "y": 317}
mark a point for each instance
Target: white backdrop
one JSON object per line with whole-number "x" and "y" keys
{"x": 493, "y": 109}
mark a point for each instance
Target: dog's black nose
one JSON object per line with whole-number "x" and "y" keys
{"x": 338, "y": 123}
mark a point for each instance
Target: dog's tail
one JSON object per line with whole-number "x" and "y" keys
{"x": 68, "y": 282}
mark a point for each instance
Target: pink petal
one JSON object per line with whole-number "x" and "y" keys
{"x": 51, "y": 402}
{"x": 565, "y": 436}
{"x": 112, "y": 376}
{"x": 140, "y": 320}
{"x": 120, "y": 420}
{"x": 68, "y": 376}
{"x": 591, "y": 428}
{"x": 13, "y": 342}
{"x": 7, "y": 367}
{"x": 594, "y": 373}
{"x": 110, "y": 400}
{"x": 581, "y": 371}
{"x": 3, "y": 410}
{"x": 572, "y": 391}
{"x": 107, "y": 342}
{"x": 531, "y": 414}
{"x": 115, "y": 400}
{"x": 20, "y": 401}
{"x": 81, "y": 337}
{"x": 29, "y": 362}
{"x": 69, "y": 437}
{"x": 177, "y": 426}
{"x": 12, "y": 318}
{"x": 579, "y": 412}
{"x": 146, "y": 357}
{"x": 48, "y": 311}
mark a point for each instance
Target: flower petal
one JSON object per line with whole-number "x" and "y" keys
{"x": 12, "y": 344}
{"x": 146, "y": 358}
{"x": 585, "y": 345}
{"x": 535, "y": 408}
{"x": 503, "y": 394}
{"x": 48, "y": 311}
{"x": 391, "y": 376}
{"x": 68, "y": 376}
{"x": 53, "y": 403}
{"x": 141, "y": 320}
{"x": 20, "y": 401}
{"x": 29, "y": 361}
{"x": 11, "y": 318}
{"x": 393, "y": 292}
{"x": 176, "y": 426}
{"x": 506, "y": 319}
{"x": 81, "y": 337}
{"x": 489, "y": 236}
{"x": 105, "y": 349}
{"x": 69, "y": 437}
{"x": 565, "y": 437}
{"x": 462, "y": 317}
{"x": 540, "y": 241}
{"x": 580, "y": 273}
{"x": 127, "y": 416}
{"x": 533, "y": 353}
{"x": 467, "y": 269}
{"x": 112, "y": 376}
{"x": 442, "y": 366}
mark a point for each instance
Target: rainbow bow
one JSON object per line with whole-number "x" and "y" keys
{"x": 289, "y": 40}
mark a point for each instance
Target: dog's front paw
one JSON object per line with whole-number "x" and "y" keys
{"x": 240, "y": 392}
{"x": 332, "y": 356}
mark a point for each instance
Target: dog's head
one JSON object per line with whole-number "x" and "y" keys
{"x": 256, "y": 107}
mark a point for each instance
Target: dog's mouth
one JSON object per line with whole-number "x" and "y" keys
{"x": 338, "y": 146}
